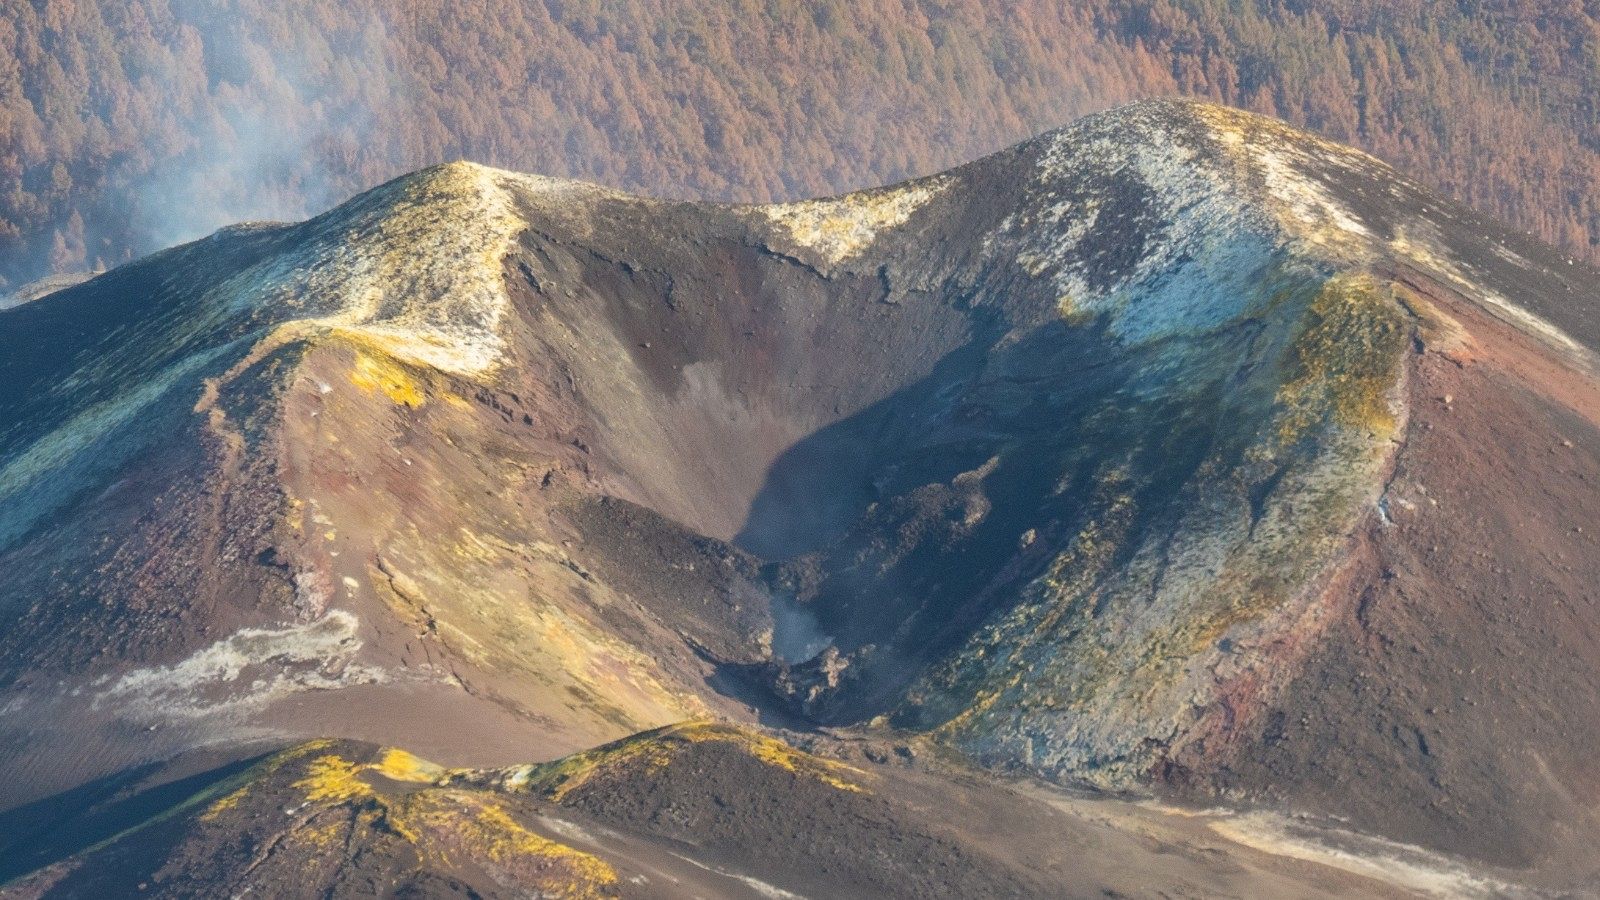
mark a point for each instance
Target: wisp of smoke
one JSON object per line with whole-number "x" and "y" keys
{"x": 261, "y": 150}
{"x": 796, "y": 636}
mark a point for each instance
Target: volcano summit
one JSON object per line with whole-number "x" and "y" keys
{"x": 1173, "y": 460}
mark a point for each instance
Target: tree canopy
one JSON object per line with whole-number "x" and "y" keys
{"x": 126, "y": 125}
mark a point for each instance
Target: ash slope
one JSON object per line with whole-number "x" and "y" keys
{"x": 1175, "y": 450}
{"x": 691, "y": 810}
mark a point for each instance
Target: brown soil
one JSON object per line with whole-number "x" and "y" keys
{"x": 1455, "y": 702}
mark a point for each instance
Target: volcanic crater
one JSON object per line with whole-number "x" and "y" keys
{"x": 1144, "y": 456}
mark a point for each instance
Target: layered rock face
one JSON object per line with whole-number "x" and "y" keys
{"x": 1176, "y": 450}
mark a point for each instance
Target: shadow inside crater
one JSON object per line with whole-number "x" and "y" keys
{"x": 896, "y": 533}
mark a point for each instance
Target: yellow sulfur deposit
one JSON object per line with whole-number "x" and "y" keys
{"x": 1343, "y": 362}
{"x": 660, "y": 748}
{"x": 440, "y": 825}
{"x": 376, "y": 374}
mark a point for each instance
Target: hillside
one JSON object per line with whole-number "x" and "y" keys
{"x": 691, "y": 810}
{"x": 127, "y": 126}
{"x": 1175, "y": 454}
